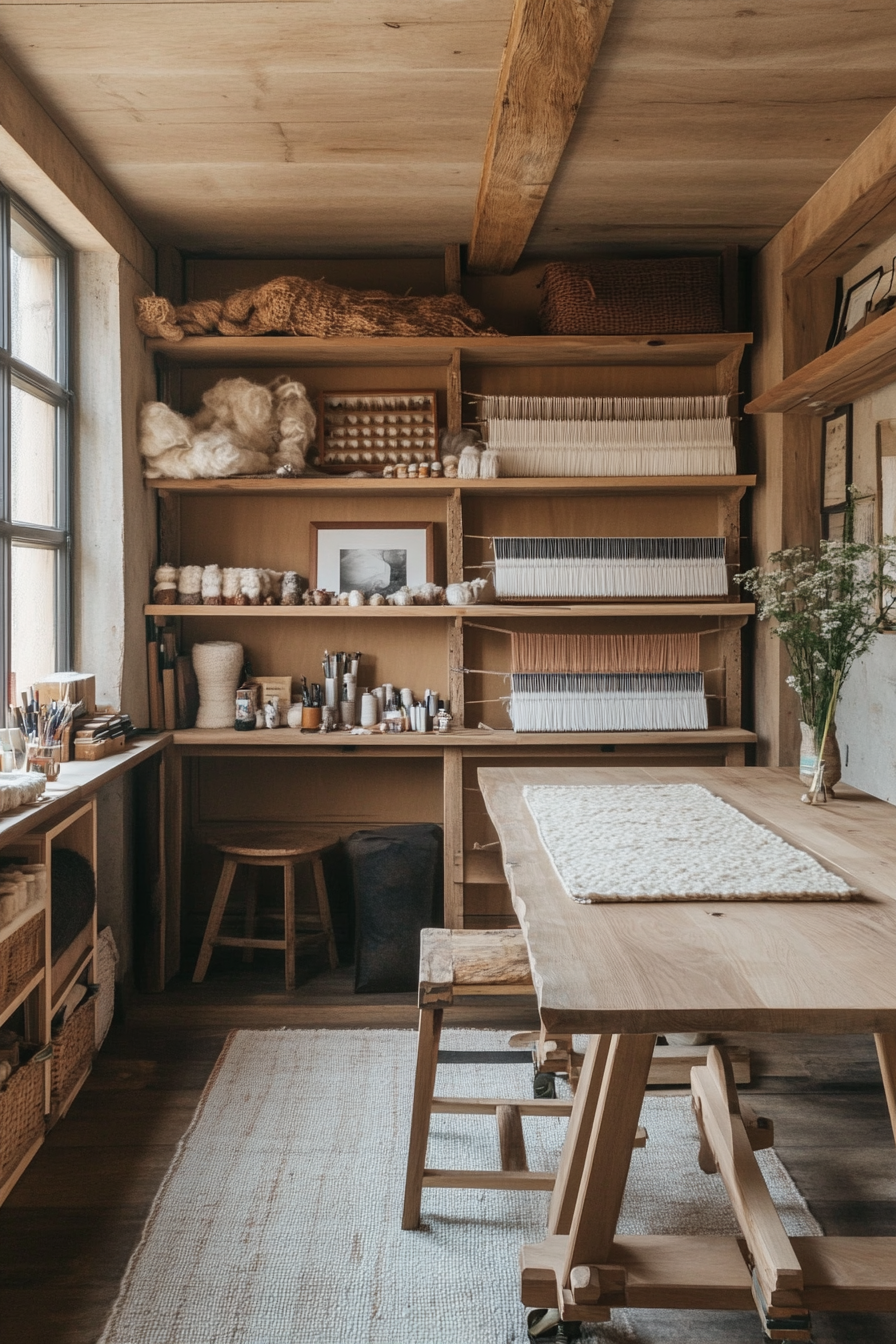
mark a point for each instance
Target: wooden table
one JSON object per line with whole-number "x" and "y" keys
{"x": 624, "y": 973}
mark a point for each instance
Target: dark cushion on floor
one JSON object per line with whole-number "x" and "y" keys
{"x": 397, "y": 880}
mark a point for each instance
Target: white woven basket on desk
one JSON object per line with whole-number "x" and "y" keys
{"x": 218, "y": 665}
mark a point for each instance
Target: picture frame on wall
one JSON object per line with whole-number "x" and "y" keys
{"x": 371, "y": 557}
{"x": 886, "y": 478}
{"x": 836, "y": 460}
{"x": 855, "y": 303}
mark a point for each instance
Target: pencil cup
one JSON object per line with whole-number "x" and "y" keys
{"x": 311, "y": 716}
{"x": 330, "y": 689}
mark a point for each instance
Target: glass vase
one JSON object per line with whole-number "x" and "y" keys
{"x": 809, "y": 757}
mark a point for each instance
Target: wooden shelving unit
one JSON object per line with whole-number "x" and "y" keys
{"x": 48, "y": 988}
{"x": 862, "y": 362}
{"x": 457, "y": 651}
{"x": 319, "y": 487}
{"x": 356, "y": 351}
{"x": 511, "y": 611}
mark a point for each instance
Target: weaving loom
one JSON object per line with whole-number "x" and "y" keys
{"x": 609, "y": 567}
{"x": 608, "y": 436}
{"x": 606, "y": 683}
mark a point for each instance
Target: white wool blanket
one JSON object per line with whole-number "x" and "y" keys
{"x": 669, "y": 842}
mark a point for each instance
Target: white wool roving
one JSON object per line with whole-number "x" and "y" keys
{"x": 296, "y": 422}
{"x": 211, "y": 585}
{"x": 231, "y": 584}
{"x": 669, "y": 842}
{"x": 189, "y": 584}
{"x": 468, "y": 464}
{"x": 246, "y": 409}
{"x": 242, "y": 428}
{"x": 250, "y": 585}
{"x": 218, "y": 665}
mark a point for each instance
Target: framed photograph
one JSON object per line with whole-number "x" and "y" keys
{"x": 886, "y": 478}
{"x": 855, "y": 302}
{"x": 370, "y": 557}
{"x": 836, "y": 458}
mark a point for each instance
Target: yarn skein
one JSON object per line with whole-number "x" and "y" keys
{"x": 218, "y": 665}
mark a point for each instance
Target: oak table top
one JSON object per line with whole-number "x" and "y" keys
{"x": 819, "y": 967}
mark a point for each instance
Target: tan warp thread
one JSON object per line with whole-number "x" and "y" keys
{"x": 604, "y": 653}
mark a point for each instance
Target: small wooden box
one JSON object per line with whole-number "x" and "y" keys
{"x": 98, "y": 751}
{"x": 76, "y": 685}
{"x": 366, "y": 431}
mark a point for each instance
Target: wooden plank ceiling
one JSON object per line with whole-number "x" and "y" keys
{"x": 326, "y": 127}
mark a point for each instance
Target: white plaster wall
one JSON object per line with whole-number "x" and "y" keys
{"x": 114, "y": 515}
{"x": 114, "y": 541}
{"x": 866, "y": 716}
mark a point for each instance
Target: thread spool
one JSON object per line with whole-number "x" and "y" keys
{"x": 218, "y": 664}
{"x": 369, "y": 714}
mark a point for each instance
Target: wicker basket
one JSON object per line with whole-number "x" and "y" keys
{"x": 21, "y": 1114}
{"x": 21, "y": 957}
{"x": 73, "y": 1050}
{"x": 632, "y": 298}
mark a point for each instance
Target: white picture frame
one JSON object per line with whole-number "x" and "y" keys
{"x": 371, "y": 557}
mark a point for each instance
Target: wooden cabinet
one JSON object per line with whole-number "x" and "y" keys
{"x": 62, "y": 1062}
{"x": 459, "y": 652}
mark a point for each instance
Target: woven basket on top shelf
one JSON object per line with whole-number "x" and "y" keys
{"x": 21, "y": 956}
{"x": 21, "y": 1114}
{"x": 73, "y": 1050}
{"x": 630, "y": 297}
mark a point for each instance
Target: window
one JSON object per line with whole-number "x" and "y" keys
{"x": 35, "y": 442}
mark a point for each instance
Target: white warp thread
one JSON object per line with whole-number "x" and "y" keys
{"x": 592, "y": 461}
{"x": 607, "y": 702}
{"x": 668, "y": 842}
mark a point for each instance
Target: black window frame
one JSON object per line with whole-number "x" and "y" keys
{"x": 57, "y": 392}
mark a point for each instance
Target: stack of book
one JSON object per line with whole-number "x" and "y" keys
{"x": 102, "y": 735}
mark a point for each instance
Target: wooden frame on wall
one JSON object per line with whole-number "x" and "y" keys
{"x": 371, "y": 568}
{"x": 836, "y": 470}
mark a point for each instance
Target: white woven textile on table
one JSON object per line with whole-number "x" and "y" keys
{"x": 279, "y": 1220}
{"x": 668, "y": 842}
{"x": 609, "y": 567}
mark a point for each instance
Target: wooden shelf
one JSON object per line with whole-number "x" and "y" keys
{"x": 509, "y": 611}
{"x": 348, "y": 351}
{"x": 317, "y": 486}
{"x": 862, "y": 362}
{"x": 293, "y": 739}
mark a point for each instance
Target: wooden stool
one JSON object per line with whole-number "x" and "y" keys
{"x": 455, "y": 963}
{"x": 272, "y": 851}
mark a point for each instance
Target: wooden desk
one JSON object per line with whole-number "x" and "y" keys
{"x": 639, "y": 970}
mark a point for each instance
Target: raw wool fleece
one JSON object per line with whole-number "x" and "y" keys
{"x": 670, "y": 842}
{"x": 292, "y": 306}
{"x": 241, "y": 429}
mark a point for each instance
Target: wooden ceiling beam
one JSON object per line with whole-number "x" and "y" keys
{"x": 551, "y": 48}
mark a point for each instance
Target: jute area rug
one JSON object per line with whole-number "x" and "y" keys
{"x": 278, "y": 1221}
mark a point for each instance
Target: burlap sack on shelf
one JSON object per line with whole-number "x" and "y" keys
{"x": 631, "y": 297}
{"x": 291, "y": 306}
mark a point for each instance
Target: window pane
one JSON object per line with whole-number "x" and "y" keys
{"x": 33, "y": 443}
{"x": 33, "y": 300}
{"x": 33, "y": 634}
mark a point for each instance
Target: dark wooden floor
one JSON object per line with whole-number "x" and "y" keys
{"x": 68, "y": 1229}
